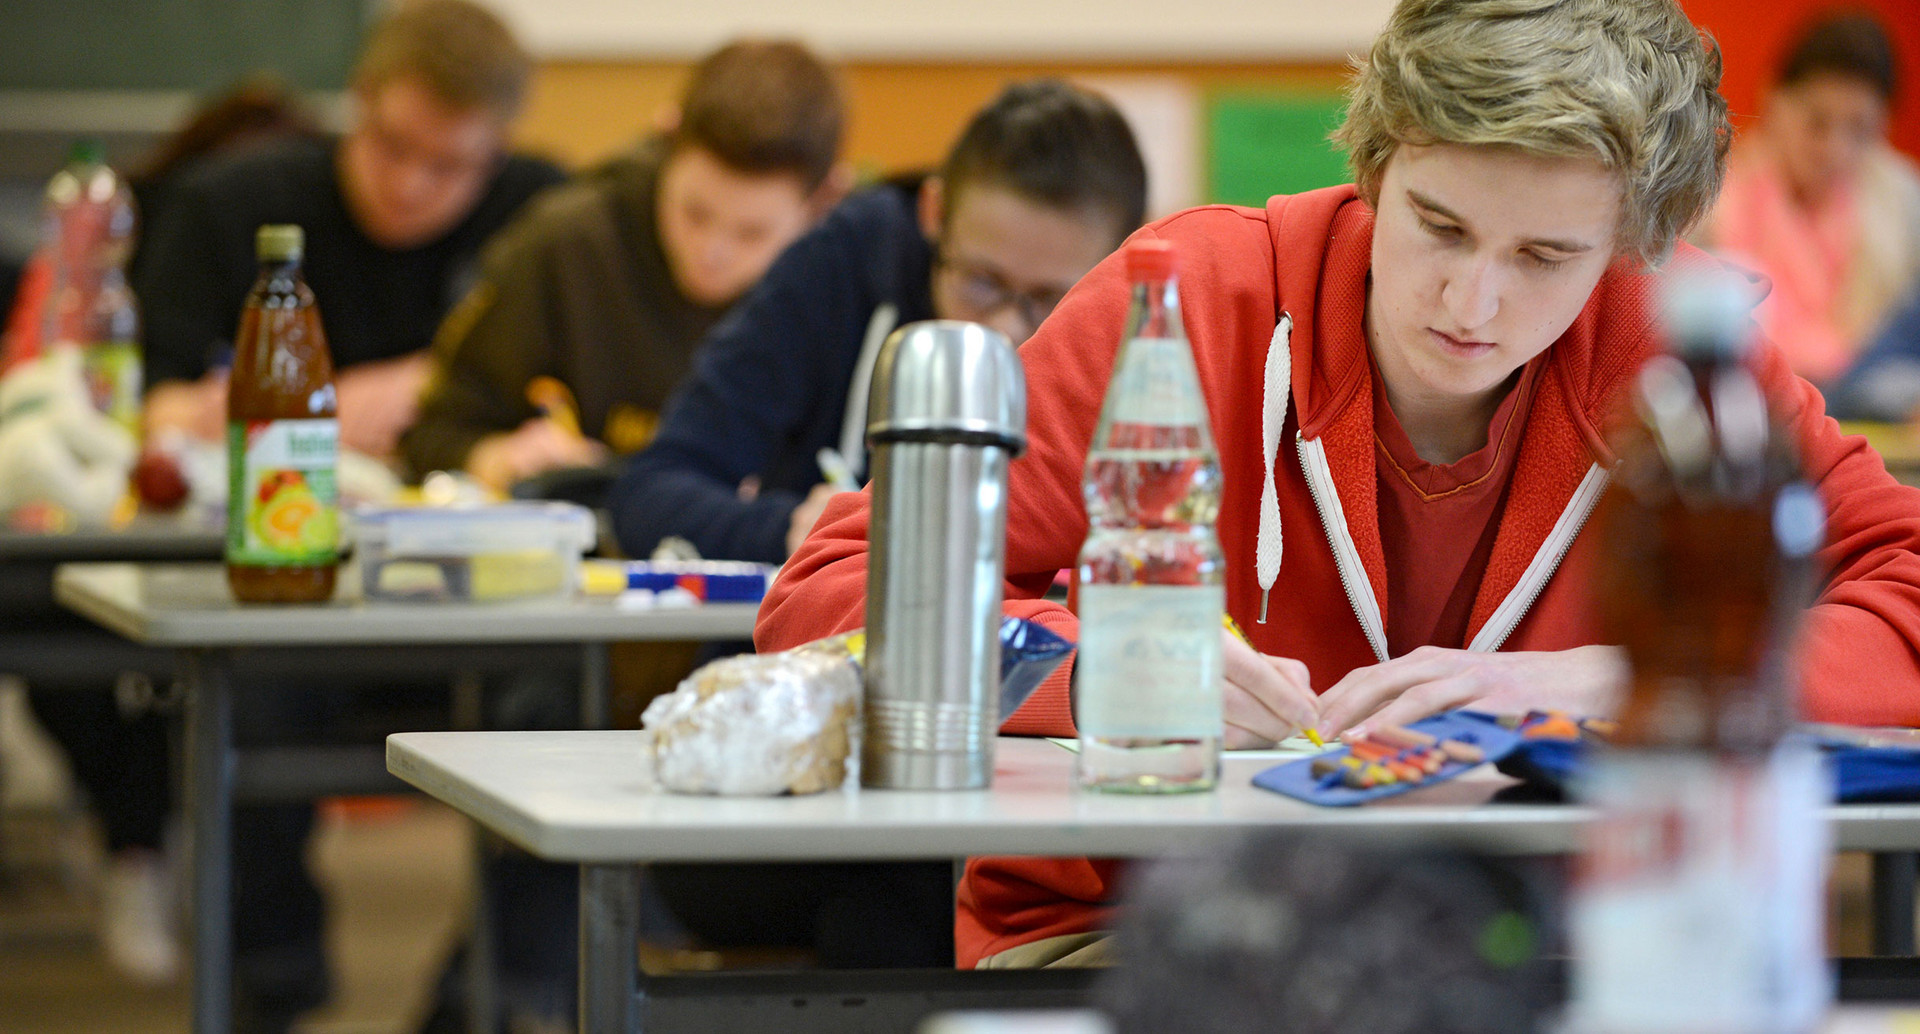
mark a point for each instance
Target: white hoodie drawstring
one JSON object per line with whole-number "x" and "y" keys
{"x": 1273, "y": 416}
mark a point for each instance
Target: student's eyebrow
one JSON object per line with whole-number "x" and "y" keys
{"x": 1567, "y": 247}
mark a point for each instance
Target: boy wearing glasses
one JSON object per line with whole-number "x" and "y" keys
{"x": 395, "y": 213}
{"x": 1042, "y": 184}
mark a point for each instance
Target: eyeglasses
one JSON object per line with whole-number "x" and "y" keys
{"x": 980, "y": 290}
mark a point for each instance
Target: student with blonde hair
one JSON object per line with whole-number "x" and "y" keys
{"x": 1426, "y": 357}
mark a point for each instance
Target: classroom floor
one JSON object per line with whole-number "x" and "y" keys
{"x": 395, "y": 870}
{"x": 396, "y": 879}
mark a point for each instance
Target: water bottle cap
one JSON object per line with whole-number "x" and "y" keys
{"x": 87, "y": 151}
{"x": 1150, "y": 259}
{"x": 1707, "y": 313}
{"x": 279, "y": 243}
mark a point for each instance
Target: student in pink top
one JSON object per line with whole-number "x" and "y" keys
{"x": 1817, "y": 200}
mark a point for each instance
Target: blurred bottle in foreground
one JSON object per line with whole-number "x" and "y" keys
{"x": 283, "y": 437}
{"x": 1699, "y": 905}
{"x": 1149, "y": 672}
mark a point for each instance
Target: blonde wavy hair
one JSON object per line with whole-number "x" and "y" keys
{"x": 1631, "y": 83}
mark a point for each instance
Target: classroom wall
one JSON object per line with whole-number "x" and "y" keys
{"x": 1754, "y": 34}
{"x": 905, "y": 114}
{"x": 905, "y": 111}
{"x": 973, "y": 30}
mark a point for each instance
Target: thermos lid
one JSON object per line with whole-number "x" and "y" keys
{"x": 947, "y": 380}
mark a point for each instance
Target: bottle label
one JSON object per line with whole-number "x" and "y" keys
{"x": 1700, "y": 899}
{"x": 112, "y": 370}
{"x": 1157, "y": 385}
{"x": 1150, "y": 661}
{"x": 282, "y": 501}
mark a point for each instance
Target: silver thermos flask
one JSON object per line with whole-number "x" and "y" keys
{"x": 947, "y": 414}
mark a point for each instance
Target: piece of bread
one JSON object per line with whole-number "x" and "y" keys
{"x": 758, "y": 724}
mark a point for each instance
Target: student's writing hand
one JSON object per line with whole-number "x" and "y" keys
{"x": 806, "y": 513}
{"x": 1267, "y": 698}
{"x": 1588, "y": 680}
{"x": 537, "y": 446}
{"x": 198, "y": 408}
{"x": 379, "y": 400}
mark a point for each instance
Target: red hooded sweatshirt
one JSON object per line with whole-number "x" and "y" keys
{"x": 1251, "y": 293}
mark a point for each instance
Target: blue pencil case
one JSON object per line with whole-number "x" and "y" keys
{"x": 1863, "y": 771}
{"x": 1483, "y": 732}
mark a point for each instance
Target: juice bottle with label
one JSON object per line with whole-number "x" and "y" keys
{"x": 283, "y": 437}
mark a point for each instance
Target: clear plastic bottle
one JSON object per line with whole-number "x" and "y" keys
{"x": 111, "y": 335}
{"x": 283, "y": 437}
{"x": 84, "y": 202}
{"x": 1700, "y": 898}
{"x": 1149, "y": 672}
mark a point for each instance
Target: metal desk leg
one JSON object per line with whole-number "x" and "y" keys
{"x": 610, "y": 999}
{"x": 595, "y": 686}
{"x": 483, "y": 993}
{"x": 209, "y": 721}
{"x": 1894, "y": 875}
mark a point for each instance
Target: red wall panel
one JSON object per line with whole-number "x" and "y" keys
{"x": 1754, "y": 34}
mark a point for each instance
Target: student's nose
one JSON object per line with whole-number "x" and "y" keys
{"x": 1472, "y": 293}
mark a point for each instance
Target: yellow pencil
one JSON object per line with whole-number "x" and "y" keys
{"x": 1233, "y": 626}
{"x": 552, "y": 398}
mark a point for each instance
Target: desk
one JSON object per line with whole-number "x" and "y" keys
{"x": 188, "y": 609}
{"x": 585, "y": 797}
{"x": 43, "y": 645}
{"x": 1897, "y": 444}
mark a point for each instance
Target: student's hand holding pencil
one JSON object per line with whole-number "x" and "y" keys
{"x": 1268, "y": 699}
{"x": 549, "y": 441}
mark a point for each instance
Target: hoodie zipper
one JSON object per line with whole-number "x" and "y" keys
{"x": 1533, "y": 581}
{"x": 1346, "y": 556}
{"x": 1353, "y": 576}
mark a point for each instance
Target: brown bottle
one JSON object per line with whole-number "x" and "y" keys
{"x": 1697, "y": 903}
{"x": 1709, "y": 535}
{"x": 283, "y": 438}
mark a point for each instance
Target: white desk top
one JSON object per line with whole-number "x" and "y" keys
{"x": 586, "y": 797}
{"x": 189, "y": 605}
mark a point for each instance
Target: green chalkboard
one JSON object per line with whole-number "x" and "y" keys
{"x": 196, "y": 45}
{"x": 1262, "y": 144}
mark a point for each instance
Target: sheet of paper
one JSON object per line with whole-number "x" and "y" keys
{"x": 1285, "y": 750}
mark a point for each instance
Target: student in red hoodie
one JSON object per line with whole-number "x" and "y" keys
{"x": 1408, "y": 376}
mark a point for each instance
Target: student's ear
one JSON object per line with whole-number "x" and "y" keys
{"x": 933, "y": 206}
{"x": 832, "y": 190}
